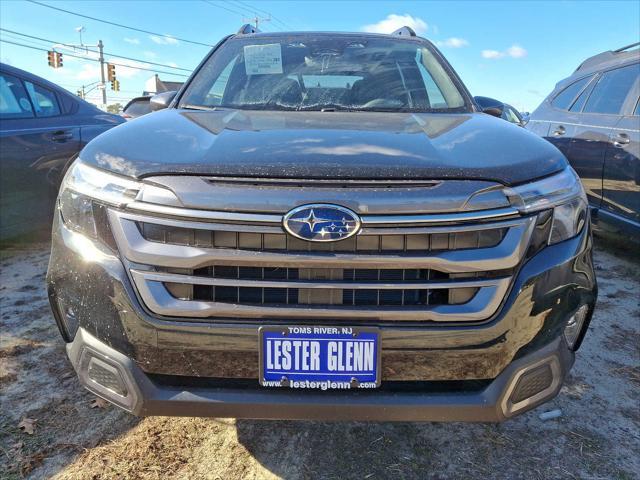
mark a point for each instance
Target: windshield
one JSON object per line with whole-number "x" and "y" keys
{"x": 324, "y": 72}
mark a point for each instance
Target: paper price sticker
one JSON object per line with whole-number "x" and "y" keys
{"x": 263, "y": 59}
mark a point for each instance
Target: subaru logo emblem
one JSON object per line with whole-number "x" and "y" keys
{"x": 321, "y": 222}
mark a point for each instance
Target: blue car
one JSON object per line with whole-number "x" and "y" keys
{"x": 42, "y": 128}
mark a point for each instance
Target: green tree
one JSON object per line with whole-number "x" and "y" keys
{"x": 114, "y": 108}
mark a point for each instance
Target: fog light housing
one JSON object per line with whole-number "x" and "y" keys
{"x": 107, "y": 376}
{"x": 574, "y": 326}
{"x": 532, "y": 382}
{"x": 532, "y": 386}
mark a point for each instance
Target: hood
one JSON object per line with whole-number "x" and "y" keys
{"x": 327, "y": 145}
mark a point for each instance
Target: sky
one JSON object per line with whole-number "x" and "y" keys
{"x": 515, "y": 51}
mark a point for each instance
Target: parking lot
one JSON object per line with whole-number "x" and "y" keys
{"x": 76, "y": 436}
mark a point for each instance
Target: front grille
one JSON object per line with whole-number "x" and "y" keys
{"x": 242, "y": 268}
{"x": 328, "y": 296}
{"x": 361, "y": 244}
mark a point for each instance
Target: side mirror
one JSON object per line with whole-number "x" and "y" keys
{"x": 162, "y": 100}
{"x": 495, "y": 111}
{"x": 490, "y": 106}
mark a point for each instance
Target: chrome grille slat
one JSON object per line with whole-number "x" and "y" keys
{"x": 136, "y": 248}
{"x": 160, "y": 301}
{"x": 378, "y": 285}
{"x": 367, "y": 220}
{"x": 267, "y": 223}
{"x": 185, "y": 268}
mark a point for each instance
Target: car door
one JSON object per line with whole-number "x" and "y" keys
{"x": 621, "y": 182}
{"x": 562, "y": 126}
{"x": 35, "y": 137}
{"x": 598, "y": 110}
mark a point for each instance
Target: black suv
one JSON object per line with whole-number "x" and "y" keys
{"x": 593, "y": 117}
{"x": 325, "y": 226}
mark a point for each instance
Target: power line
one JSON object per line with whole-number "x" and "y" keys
{"x": 85, "y": 58}
{"x": 119, "y": 24}
{"x": 264, "y": 12}
{"x": 217, "y": 5}
{"x": 68, "y": 45}
{"x": 30, "y": 42}
{"x": 253, "y": 9}
{"x": 46, "y": 40}
{"x": 147, "y": 69}
{"x": 68, "y": 85}
{"x": 224, "y": 8}
{"x": 147, "y": 62}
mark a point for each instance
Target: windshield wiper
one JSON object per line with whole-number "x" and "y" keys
{"x": 188, "y": 106}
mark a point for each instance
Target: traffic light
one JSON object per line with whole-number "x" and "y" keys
{"x": 111, "y": 72}
{"x": 54, "y": 59}
{"x": 115, "y": 85}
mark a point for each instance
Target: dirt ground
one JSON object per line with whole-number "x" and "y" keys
{"x": 76, "y": 437}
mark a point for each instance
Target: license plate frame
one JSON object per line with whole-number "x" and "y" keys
{"x": 322, "y": 379}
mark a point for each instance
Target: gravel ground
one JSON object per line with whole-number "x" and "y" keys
{"x": 76, "y": 436}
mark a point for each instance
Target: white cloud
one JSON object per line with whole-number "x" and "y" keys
{"x": 514, "y": 51}
{"x": 492, "y": 54}
{"x": 165, "y": 40}
{"x": 132, "y": 41}
{"x": 150, "y": 54}
{"x": 89, "y": 71}
{"x": 394, "y": 21}
{"x": 453, "y": 42}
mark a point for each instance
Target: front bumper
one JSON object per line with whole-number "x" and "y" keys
{"x": 494, "y": 403}
{"x": 99, "y": 314}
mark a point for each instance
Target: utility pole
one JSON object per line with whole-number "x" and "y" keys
{"x": 256, "y": 19}
{"x": 83, "y": 92}
{"x": 104, "y": 86}
{"x": 55, "y": 60}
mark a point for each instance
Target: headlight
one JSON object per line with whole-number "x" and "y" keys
{"x": 82, "y": 185}
{"x": 563, "y": 193}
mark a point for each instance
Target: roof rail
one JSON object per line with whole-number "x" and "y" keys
{"x": 405, "y": 32}
{"x": 627, "y": 47}
{"x": 607, "y": 56}
{"x": 247, "y": 29}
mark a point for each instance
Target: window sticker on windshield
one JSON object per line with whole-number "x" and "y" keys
{"x": 263, "y": 59}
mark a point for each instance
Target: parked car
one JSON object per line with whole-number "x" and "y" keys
{"x": 322, "y": 212}
{"x": 42, "y": 128}
{"x": 137, "y": 107}
{"x": 593, "y": 117}
{"x": 503, "y": 110}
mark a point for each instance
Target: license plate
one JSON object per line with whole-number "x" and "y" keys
{"x": 323, "y": 358}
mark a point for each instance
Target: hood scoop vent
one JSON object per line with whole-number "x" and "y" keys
{"x": 321, "y": 183}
